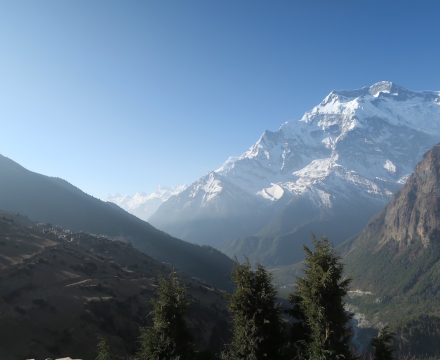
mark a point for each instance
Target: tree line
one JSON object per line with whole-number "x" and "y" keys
{"x": 315, "y": 327}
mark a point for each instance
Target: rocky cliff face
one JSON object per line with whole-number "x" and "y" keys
{"x": 414, "y": 215}
{"x": 395, "y": 262}
{"x": 396, "y": 258}
{"x": 412, "y": 218}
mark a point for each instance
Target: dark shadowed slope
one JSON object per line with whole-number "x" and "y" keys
{"x": 53, "y": 200}
{"x": 59, "y": 291}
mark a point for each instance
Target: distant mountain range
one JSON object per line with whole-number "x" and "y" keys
{"x": 395, "y": 262}
{"x": 61, "y": 290}
{"x": 53, "y": 200}
{"x": 144, "y": 205}
{"x": 327, "y": 173}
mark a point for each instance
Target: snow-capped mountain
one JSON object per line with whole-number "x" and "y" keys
{"x": 328, "y": 172}
{"x": 143, "y": 205}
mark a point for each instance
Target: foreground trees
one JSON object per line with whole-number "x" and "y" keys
{"x": 317, "y": 326}
{"x": 168, "y": 337}
{"x": 319, "y": 301}
{"x": 103, "y": 350}
{"x": 256, "y": 321}
{"x": 383, "y": 345}
{"x": 320, "y": 328}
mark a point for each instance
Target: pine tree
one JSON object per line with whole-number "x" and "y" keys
{"x": 299, "y": 333}
{"x": 168, "y": 337}
{"x": 320, "y": 296}
{"x": 103, "y": 350}
{"x": 383, "y": 345}
{"x": 257, "y": 327}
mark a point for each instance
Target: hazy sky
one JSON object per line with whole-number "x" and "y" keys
{"x": 121, "y": 96}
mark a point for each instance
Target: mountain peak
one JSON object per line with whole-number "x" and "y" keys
{"x": 385, "y": 87}
{"x": 377, "y": 89}
{"x": 355, "y": 147}
{"x": 343, "y": 111}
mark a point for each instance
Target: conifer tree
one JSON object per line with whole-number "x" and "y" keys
{"x": 320, "y": 299}
{"x": 103, "y": 350}
{"x": 167, "y": 338}
{"x": 257, "y": 327}
{"x": 383, "y": 345}
{"x": 299, "y": 334}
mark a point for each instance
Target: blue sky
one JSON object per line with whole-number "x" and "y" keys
{"x": 122, "y": 96}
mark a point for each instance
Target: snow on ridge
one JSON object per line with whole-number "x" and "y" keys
{"x": 227, "y": 165}
{"x": 327, "y": 177}
{"x": 389, "y": 166}
{"x": 205, "y": 189}
{"x": 293, "y": 154}
{"x": 137, "y": 199}
{"x": 273, "y": 193}
{"x": 212, "y": 187}
{"x": 317, "y": 169}
{"x": 352, "y": 109}
{"x": 347, "y": 139}
{"x": 403, "y": 179}
{"x": 142, "y": 204}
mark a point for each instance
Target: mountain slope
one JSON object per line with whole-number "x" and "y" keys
{"x": 213, "y": 208}
{"x": 61, "y": 290}
{"x": 347, "y": 155}
{"x": 396, "y": 259}
{"x": 53, "y": 200}
{"x": 406, "y": 234}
